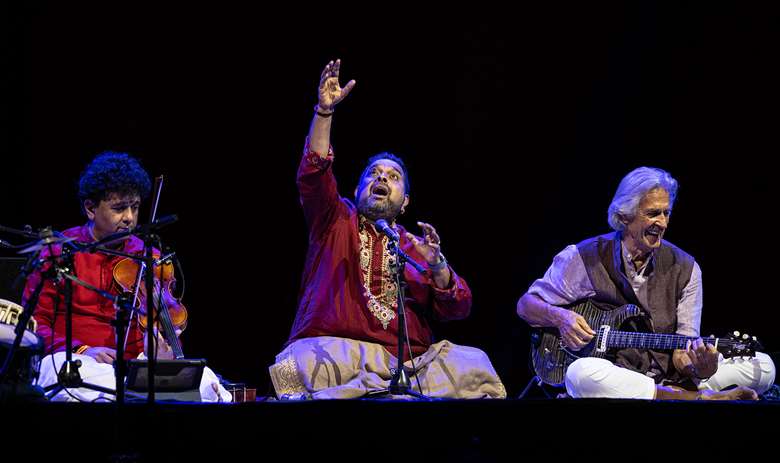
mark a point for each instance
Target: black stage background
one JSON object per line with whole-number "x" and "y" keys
{"x": 516, "y": 128}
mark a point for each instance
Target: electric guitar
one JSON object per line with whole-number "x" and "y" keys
{"x": 550, "y": 357}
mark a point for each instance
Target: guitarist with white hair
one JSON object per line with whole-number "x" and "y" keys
{"x": 635, "y": 268}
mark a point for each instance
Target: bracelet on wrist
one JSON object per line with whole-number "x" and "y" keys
{"x": 322, "y": 112}
{"x": 438, "y": 266}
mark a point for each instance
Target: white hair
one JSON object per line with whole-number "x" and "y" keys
{"x": 634, "y": 186}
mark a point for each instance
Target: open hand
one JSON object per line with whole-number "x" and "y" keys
{"x": 331, "y": 93}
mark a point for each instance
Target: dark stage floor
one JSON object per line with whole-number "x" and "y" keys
{"x": 379, "y": 430}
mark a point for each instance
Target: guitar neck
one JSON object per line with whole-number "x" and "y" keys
{"x": 656, "y": 341}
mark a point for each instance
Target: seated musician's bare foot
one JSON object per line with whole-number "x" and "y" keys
{"x": 738, "y": 393}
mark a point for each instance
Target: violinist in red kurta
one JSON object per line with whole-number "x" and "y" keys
{"x": 110, "y": 192}
{"x": 345, "y": 333}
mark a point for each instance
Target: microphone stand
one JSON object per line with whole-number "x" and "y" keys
{"x": 145, "y": 232}
{"x": 68, "y": 376}
{"x": 60, "y": 267}
{"x": 124, "y": 305}
{"x": 400, "y": 384}
{"x": 150, "y": 336}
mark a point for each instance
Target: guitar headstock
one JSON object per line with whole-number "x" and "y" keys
{"x": 740, "y": 345}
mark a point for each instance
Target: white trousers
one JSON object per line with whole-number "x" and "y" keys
{"x": 102, "y": 374}
{"x": 595, "y": 377}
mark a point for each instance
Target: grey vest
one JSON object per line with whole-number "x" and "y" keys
{"x": 668, "y": 274}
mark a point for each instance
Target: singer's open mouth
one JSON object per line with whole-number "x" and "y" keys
{"x": 380, "y": 190}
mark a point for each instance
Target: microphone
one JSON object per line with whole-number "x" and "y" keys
{"x": 156, "y": 225}
{"x": 382, "y": 225}
{"x": 143, "y": 230}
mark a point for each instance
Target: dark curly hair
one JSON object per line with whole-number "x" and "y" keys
{"x": 393, "y": 158}
{"x": 112, "y": 172}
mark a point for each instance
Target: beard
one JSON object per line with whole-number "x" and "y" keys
{"x": 374, "y": 209}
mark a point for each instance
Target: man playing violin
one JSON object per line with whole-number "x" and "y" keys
{"x": 344, "y": 339}
{"x": 110, "y": 193}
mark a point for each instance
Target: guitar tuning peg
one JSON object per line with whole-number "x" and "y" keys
{"x": 755, "y": 338}
{"x": 736, "y": 334}
{"x": 745, "y": 336}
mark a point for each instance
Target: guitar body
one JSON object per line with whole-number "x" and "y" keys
{"x": 551, "y": 359}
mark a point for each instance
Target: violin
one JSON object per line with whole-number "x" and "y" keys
{"x": 169, "y": 312}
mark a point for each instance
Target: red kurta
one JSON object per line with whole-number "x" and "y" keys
{"x": 332, "y": 301}
{"x": 92, "y": 313}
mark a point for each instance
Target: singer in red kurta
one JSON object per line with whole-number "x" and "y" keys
{"x": 347, "y": 288}
{"x": 345, "y": 335}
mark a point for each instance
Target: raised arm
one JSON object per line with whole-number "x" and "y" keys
{"x": 316, "y": 183}
{"x": 329, "y": 95}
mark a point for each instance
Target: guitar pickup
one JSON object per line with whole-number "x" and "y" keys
{"x": 601, "y": 338}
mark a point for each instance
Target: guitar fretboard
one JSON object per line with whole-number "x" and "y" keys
{"x": 655, "y": 341}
